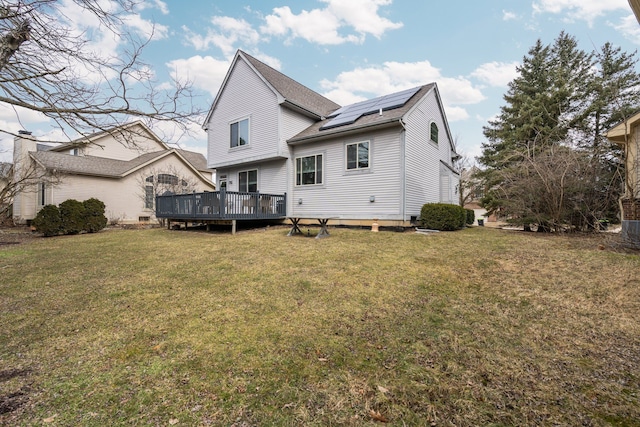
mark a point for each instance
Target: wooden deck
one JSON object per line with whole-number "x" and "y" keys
{"x": 221, "y": 205}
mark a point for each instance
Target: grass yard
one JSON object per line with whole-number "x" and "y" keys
{"x": 477, "y": 327}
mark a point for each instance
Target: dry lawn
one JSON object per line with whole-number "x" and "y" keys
{"x": 477, "y": 327}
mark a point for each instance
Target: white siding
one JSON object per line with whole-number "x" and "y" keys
{"x": 245, "y": 95}
{"x": 272, "y": 176}
{"x": 347, "y": 193}
{"x": 427, "y": 180}
{"x": 136, "y": 143}
{"x": 292, "y": 124}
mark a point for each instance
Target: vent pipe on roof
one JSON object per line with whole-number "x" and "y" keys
{"x": 380, "y": 112}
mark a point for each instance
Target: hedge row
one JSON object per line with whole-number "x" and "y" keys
{"x": 445, "y": 217}
{"x": 71, "y": 217}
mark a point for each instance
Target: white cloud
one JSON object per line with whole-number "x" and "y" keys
{"x": 629, "y": 28}
{"x": 362, "y": 83}
{"x": 496, "y": 73}
{"x": 206, "y": 73}
{"x": 157, "y": 4}
{"x": 226, "y": 35}
{"x": 585, "y": 10}
{"x": 145, "y": 28}
{"x": 323, "y": 26}
{"x": 508, "y": 16}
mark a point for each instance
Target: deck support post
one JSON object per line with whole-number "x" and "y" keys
{"x": 168, "y": 224}
{"x": 233, "y": 226}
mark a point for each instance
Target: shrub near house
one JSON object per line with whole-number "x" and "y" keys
{"x": 71, "y": 217}
{"x": 443, "y": 216}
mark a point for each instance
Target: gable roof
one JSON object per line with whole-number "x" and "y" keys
{"x": 619, "y": 132}
{"x": 196, "y": 159}
{"x": 115, "y": 132}
{"x": 290, "y": 92}
{"x": 108, "y": 168}
{"x": 387, "y": 118}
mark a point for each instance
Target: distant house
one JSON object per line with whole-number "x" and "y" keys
{"x": 627, "y": 135}
{"x": 378, "y": 159}
{"x": 125, "y": 168}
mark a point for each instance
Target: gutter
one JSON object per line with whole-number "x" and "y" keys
{"x": 322, "y": 136}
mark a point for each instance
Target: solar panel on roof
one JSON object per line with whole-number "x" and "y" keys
{"x": 350, "y": 113}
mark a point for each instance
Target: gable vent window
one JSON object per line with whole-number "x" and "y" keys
{"x": 434, "y": 132}
{"x": 239, "y": 133}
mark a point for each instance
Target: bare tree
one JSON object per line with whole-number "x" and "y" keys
{"x": 51, "y": 63}
{"x": 156, "y": 182}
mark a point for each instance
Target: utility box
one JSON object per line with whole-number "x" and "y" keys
{"x": 631, "y": 233}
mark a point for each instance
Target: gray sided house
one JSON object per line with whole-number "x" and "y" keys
{"x": 379, "y": 159}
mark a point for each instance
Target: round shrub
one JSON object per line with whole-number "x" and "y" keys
{"x": 471, "y": 216}
{"x": 72, "y": 216}
{"x": 94, "y": 219}
{"x": 442, "y": 216}
{"x": 48, "y": 221}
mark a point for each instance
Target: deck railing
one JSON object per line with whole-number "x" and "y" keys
{"x": 222, "y": 205}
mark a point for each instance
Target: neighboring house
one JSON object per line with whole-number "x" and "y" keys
{"x": 627, "y": 134}
{"x": 124, "y": 168}
{"x": 5, "y": 192}
{"x": 378, "y": 159}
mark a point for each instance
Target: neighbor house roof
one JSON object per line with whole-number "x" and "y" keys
{"x": 290, "y": 92}
{"x": 110, "y": 168}
{"x": 113, "y": 132}
{"x": 635, "y": 6}
{"x": 619, "y": 132}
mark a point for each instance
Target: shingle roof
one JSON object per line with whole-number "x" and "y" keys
{"x": 291, "y": 90}
{"x": 91, "y": 165}
{"x": 370, "y": 120}
{"x": 196, "y": 159}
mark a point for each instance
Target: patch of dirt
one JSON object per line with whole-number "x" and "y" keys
{"x": 16, "y": 235}
{"x": 11, "y": 401}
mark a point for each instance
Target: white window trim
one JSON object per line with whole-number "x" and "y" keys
{"x": 295, "y": 170}
{"x": 346, "y": 159}
{"x": 438, "y": 127}
{"x": 248, "y": 119}
{"x": 257, "y": 180}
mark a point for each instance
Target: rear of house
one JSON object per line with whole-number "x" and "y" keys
{"x": 269, "y": 134}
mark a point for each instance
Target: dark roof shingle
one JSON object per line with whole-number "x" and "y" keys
{"x": 293, "y": 91}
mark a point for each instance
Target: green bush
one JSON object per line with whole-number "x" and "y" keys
{"x": 442, "y": 216}
{"x": 94, "y": 219}
{"x": 72, "y": 216}
{"x": 471, "y": 216}
{"x": 48, "y": 221}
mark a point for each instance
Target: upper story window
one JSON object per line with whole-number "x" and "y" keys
{"x": 74, "y": 151}
{"x": 434, "y": 132}
{"x": 309, "y": 170}
{"x": 358, "y": 155}
{"x": 239, "y": 133}
{"x": 248, "y": 181}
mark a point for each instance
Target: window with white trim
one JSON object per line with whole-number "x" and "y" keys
{"x": 433, "y": 132}
{"x": 239, "y": 133}
{"x": 42, "y": 194}
{"x": 309, "y": 170}
{"x": 358, "y": 155}
{"x": 248, "y": 181}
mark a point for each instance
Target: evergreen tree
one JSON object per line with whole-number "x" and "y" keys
{"x": 546, "y": 161}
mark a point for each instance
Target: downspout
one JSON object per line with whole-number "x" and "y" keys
{"x": 403, "y": 168}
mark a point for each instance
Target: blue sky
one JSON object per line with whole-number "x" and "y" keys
{"x": 358, "y": 49}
